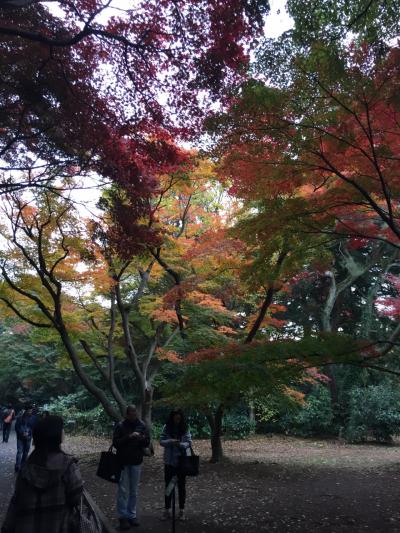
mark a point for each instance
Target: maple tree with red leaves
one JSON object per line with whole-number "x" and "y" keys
{"x": 171, "y": 276}
{"x": 90, "y": 86}
{"x": 325, "y": 147}
{"x": 316, "y": 159}
{"x": 312, "y": 164}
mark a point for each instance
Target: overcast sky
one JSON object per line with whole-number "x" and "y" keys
{"x": 278, "y": 20}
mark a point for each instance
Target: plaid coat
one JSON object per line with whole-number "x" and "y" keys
{"x": 44, "y": 496}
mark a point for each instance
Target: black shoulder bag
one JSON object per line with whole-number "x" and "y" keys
{"x": 109, "y": 468}
{"x": 189, "y": 465}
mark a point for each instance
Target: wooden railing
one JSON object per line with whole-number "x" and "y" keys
{"x": 91, "y": 508}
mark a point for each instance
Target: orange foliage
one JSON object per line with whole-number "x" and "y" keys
{"x": 226, "y": 330}
{"x": 165, "y": 315}
{"x": 168, "y": 355}
{"x": 207, "y": 300}
{"x": 269, "y": 319}
{"x": 295, "y": 395}
{"x": 210, "y": 354}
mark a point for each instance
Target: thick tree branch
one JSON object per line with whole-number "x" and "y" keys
{"x": 23, "y": 317}
{"x": 268, "y": 298}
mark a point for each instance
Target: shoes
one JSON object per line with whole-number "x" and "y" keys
{"x": 166, "y": 515}
{"x": 124, "y": 524}
{"x": 134, "y": 522}
{"x": 181, "y": 515}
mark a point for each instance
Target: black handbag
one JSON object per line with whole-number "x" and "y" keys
{"x": 189, "y": 465}
{"x": 109, "y": 467}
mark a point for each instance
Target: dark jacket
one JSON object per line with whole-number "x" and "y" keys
{"x": 24, "y": 426}
{"x": 130, "y": 449}
{"x": 44, "y": 496}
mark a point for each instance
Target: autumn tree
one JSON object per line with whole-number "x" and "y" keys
{"x": 237, "y": 270}
{"x": 330, "y": 153}
{"x": 217, "y": 379}
{"x": 315, "y": 157}
{"x": 88, "y": 87}
{"x": 115, "y": 300}
{"x": 334, "y": 23}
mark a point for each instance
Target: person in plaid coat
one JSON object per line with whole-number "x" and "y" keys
{"x": 48, "y": 486}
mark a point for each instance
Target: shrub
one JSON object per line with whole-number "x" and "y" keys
{"x": 199, "y": 426}
{"x": 156, "y": 430}
{"x": 314, "y": 418}
{"x": 238, "y": 426}
{"x": 373, "y": 411}
{"x": 94, "y": 421}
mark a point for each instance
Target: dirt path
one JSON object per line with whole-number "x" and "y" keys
{"x": 7, "y": 461}
{"x": 278, "y": 484}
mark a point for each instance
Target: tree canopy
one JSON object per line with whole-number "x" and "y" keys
{"x": 258, "y": 265}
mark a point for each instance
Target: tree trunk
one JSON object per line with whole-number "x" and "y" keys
{"x": 97, "y": 392}
{"x": 252, "y": 413}
{"x": 261, "y": 314}
{"x": 333, "y": 388}
{"x": 215, "y": 421}
{"x": 146, "y": 405}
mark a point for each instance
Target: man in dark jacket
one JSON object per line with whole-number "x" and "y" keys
{"x": 23, "y": 429}
{"x": 130, "y": 438}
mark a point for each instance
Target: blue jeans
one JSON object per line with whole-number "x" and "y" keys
{"x": 127, "y": 491}
{"x": 23, "y": 447}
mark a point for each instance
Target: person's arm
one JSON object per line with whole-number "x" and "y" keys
{"x": 165, "y": 439}
{"x": 119, "y": 437}
{"x": 32, "y": 422}
{"x": 144, "y": 436}
{"x": 186, "y": 440}
{"x": 18, "y": 426}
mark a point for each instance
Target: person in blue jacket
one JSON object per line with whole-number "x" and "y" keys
{"x": 175, "y": 439}
{"x": 23, "y": 429}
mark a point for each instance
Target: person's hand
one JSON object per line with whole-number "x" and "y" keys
{"x": 176, "y": 443}
{"x": 134, "y": 435}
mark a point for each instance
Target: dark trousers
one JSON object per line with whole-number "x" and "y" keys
{"x": 6, "y": 431}
{"x": 23, "y": 447}
{"x": 169, "y": 473}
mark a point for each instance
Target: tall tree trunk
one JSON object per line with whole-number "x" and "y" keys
{"x": 327, "y": 326}
{"x": 252, "y": 413}
{"x": 215, "y": 421}
{"x": 146, "y": 405}
{"x": 336, "y": 290}
{"x": 96, "y": 391}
